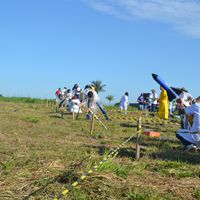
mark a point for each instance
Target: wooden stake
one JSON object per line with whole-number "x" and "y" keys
{"x": 73, "y": 115}
{"x": 92, "y": 124}
{"x": 100, "y": 121}
{"x": 97, "y": 119}
{"x": 139, "y": 126}
{"x": 62, "y": 114}
{"x": 77, "y": 115}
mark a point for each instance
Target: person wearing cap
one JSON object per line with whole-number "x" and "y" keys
{"x": 124, "y": 102}
{"x": 92, "y": 87}
{"x": 191, "y": 138}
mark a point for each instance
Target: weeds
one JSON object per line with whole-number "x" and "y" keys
{"x": 36, "y": 146}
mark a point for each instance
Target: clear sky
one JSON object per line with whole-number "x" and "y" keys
{"x": 46, "y": 44}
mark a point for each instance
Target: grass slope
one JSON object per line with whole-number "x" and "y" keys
{"x": 41, "y": 154}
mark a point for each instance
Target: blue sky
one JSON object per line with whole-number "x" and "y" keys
{"x": 46, "y": 44}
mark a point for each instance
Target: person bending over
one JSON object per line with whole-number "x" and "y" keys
{"x": 91, "y": 101}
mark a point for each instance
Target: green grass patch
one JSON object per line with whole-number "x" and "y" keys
{"x": 31, "y": 119}
{"x": 37, "y": 146}
{"x": 119, "y": 170}
{"x": 175, "y": 169}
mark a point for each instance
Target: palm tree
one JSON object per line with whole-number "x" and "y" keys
{"x": 98, "y": 86}
{"x": 110, "y": 98}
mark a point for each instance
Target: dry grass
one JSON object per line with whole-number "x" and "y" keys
{"x": 41, "y": 153}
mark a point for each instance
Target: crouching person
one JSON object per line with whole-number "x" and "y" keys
{"x": 191, "y": 137}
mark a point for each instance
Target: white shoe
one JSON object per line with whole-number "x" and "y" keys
{"x": 191, "y": 147}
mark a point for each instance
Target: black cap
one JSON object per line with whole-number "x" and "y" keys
{"x": 183, "y": 89}
{"x": 198, "y": 98}
{"x": 90, "y": 94}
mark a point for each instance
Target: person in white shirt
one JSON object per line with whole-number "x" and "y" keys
{"x": 154, "y": 100}
{"x": 191, "y": 138}
{"x": 92, "y": 101}
{"x": 124, "y": 102}
{"x": 68, "y": 95}
{"x": 85, "y": 92}
{"x": 186, "y": 101}
{"x": 64, "y": 92}
{"x": 186, "y": 97}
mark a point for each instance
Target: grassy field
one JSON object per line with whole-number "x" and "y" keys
{"x": 41, "y": 153}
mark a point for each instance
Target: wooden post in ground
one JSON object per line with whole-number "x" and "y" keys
{"x": 73, "y": 115}
{"x": 62, "y": 114}
{"x": 77, "y": 115}
{"x": 139, "y": 126}
{"x": 92, "y": 124}
{"x": 146, "y": 113}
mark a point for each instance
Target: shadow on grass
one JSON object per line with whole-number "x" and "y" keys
{"x": 52, "y": 112}
{"x": 169, "y": 149}
{"x": 101, "y": 150}
{"x": 123, "y": 152}
{"x": 66, "y": 177}
{"x": 159, "y": 142}
{"x": 128, "y": 125}
{"x": 130, "y": 153}
{"x": 56, "y": 116}
{"x": 155, "y": 142}
{"x": 178, "y": 155}
{"x": 148, "y": 127}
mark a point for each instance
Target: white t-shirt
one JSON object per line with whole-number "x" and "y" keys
{"x": 194, "y": 110}
{"x": 84, "y": 95}
{"x": 68, "y": 95}
{"x": 185, "y": 96}
{"x": 64, "y": 93}
{"x": 154, "y": 97}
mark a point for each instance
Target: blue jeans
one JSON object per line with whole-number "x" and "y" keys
{"x": 153, "y": 107}
{"x": 184, "y": 122}
{"x": 141, "y": 106}
{"x": 101, "y": 107}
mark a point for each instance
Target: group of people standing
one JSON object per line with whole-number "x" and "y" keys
{"x": 148, "y": 101}
{"x": 161, "y": 104}
{"x": 75, "y": 99}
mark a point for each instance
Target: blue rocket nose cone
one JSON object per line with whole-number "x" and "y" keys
{"x": 154, "y": 76}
